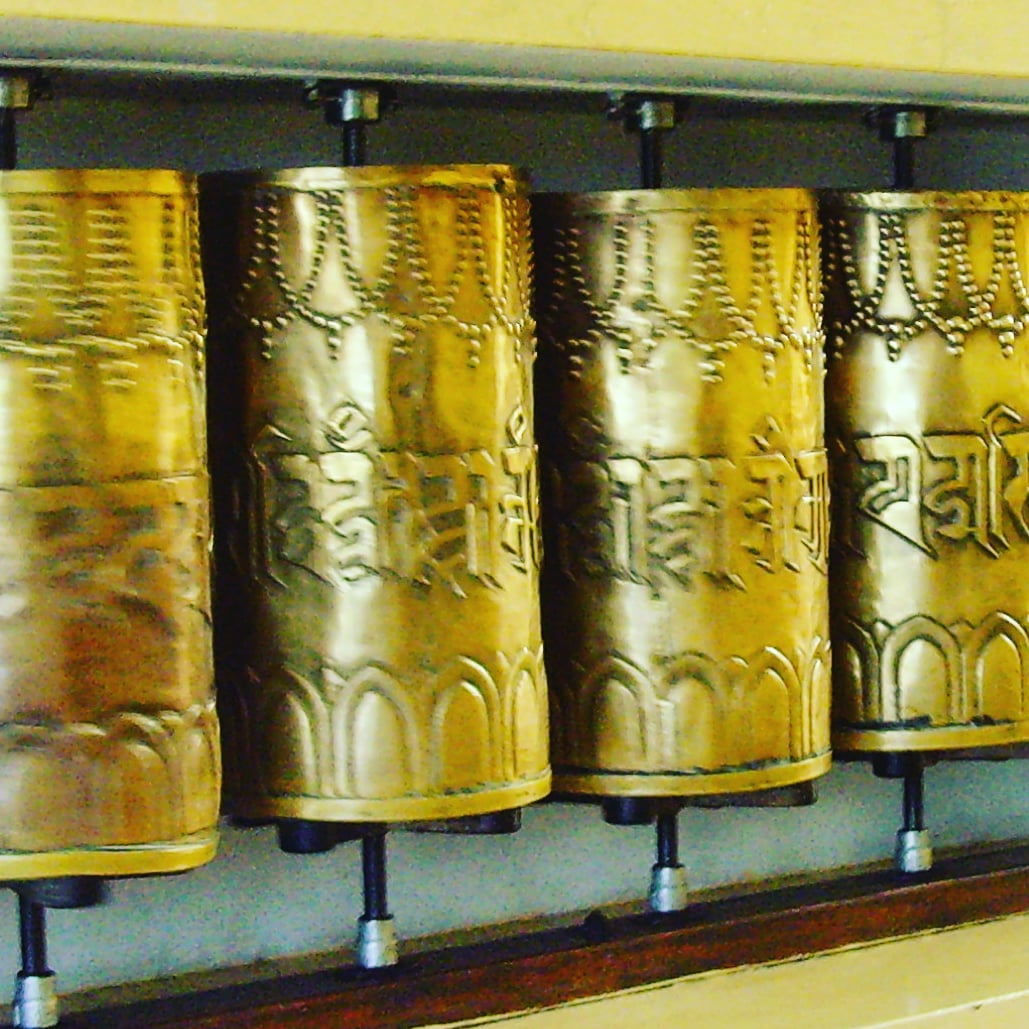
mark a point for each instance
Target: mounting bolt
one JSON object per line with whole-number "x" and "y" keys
{"x": 903, "y": 122}
{"x": 914, "y": 851}
{"x": 669, "y": 890}
{"x": 376, "y": 942}
{"x": 651, "y": 117}
{"x": 641, "y": 112}
{"x": 35, "y": 1002}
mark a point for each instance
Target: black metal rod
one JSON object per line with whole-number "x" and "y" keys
{"x": 651, "y": 163}
{"x": 914, "y": 794}
{"x": 668, "y": 839}
{"x": 904, "y": 162}
{"x": 355, "y": 144}
{"x": 373, "y": 865}
{"x": 8, "y": 139}
{"x": 32, "y": 924}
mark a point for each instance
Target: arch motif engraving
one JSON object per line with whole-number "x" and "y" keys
{"x": 856, "y": 663}
{"x": 462, "y": 713}
{"x": 293, "y": 734}
{"x": 375, "y": 743}
{"x": 399, "y": 721}
{"x": 473, "y": 678}
{"x": 961, "y": 655}
{"x": 526, "y": 703}
{"x": 816, "y": 694}
{"x": 922, "y": 631}
{"x": 616, "y": 682}
{"x": 693, "y": 714}
{"x": 365, "y": 733}
{"x": 695, "y": 706}
{"x": 989, "y": 697}
{"x": 132, "y": 779}
{"x": 767, "y": 707}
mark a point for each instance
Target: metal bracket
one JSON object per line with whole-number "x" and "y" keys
{"x": 650, "y": 116}
{"x": 19, "y": 90}
{"x": 901, "y": 126}
{"x": 642, "y": 112}
{"x": 351, "y": 106}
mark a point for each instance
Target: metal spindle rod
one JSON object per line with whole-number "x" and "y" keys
{"x": 902, "y": 127}
{"x": 669, "y": 890}
{"x": 8, "y": 139}
{"x": 914, "y": 852}
{"x": 651, "y": 158}
{"x": 904, "y": 163}
{"x": 651, "y": 117}
{"x": 376, "y": 935}
{"x": 373, "y": 866}
{"x": 351, "y": 107}
{"x": 914, "y": 795}
{"x": 17, "y": 92}
{"x": 355, "y": 144}
{"x": 668, "y": 840}
{"x": 35, "y": 1004}
{"x": 32, "y": 926}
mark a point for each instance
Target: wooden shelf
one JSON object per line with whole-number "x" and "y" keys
{"x": 602, "y": 955}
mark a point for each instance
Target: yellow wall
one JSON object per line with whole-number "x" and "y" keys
{"x": 920, "y": 35}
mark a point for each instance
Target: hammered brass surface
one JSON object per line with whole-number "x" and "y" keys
{"x": 927, "y": 316}
{"x": 685, "y": 494}
{"x": 109, "y": 755}
{"x": 378, "y": 609}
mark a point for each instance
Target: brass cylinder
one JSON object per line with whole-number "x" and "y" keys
{"x": 381, "y": 655}
{"x": 684, "y": 490}
{"x": 109, "y": 756}
{"x": 927, "y": 318}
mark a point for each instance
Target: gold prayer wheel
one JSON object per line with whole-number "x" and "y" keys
{"x": 381, "y": 565}
{"x": 109, "y": 754}
{"x": 927, "y": 317}
{"x": 685, "y": 490}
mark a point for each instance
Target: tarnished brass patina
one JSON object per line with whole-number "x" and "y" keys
{"x": 109, "y": 756}
{"x": 685, "y": 490}
{"x": 927, "y": 318}
{"x": 382, "y": 562}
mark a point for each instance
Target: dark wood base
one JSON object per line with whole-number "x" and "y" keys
{"x": 603, "y": 953}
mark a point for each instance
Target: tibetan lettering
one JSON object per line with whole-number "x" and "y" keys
{"x": 347, "y": 514}
{"x": 671, "y": 520}
{"x": 948, "y": 488}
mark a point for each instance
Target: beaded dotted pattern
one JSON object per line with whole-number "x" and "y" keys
{"x": 653, "y": 321}
{"x": 929, "y": 312}
{"x": 408, "y": 313}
